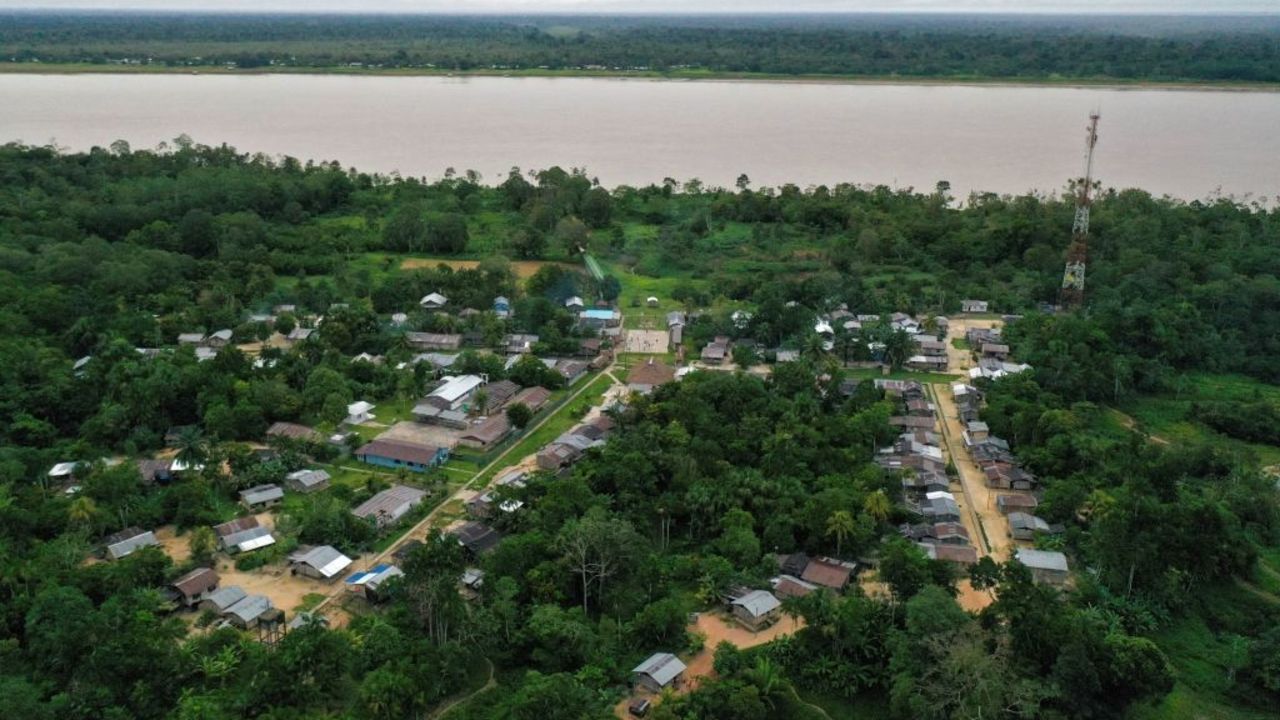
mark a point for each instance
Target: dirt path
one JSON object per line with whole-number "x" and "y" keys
{"x": 449, "y": 706}
{"x": 1132, "y": 424}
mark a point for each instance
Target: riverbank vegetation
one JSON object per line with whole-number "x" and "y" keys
{"x": 1174, "y": 605}
{"x": 961, "y": 48}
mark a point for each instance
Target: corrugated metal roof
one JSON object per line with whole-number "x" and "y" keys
{"x": 758, "y": 602}
{"x": 326, "y": 560}
{"x": 223, "y": 598}
{"x": 249, "y": 607}
{"x": 662, "y": 667}
{"x": 261, "y": 494}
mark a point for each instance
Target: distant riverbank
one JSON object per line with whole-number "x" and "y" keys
{"x": 674, "y": 75}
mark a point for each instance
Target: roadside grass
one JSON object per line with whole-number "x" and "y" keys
{"x": 1168, "y": 415}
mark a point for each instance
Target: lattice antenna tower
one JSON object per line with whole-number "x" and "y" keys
{"x": 1072, "y": 295}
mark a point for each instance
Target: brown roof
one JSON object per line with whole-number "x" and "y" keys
{"x": 293, "y": 430}
{"x": 945, "y": 528}
{"x": 533, "y": 398}
{"x": 400, "y": 450}
{"x": 1018, "y": 501}
{"x": 651, "y": 373}
{"x": 196, "y": 581}
{"x": 827, "y": 574}
{"x": 489, "y": 431}
{"x": 963, "y": 554}
{"x": 790, "y": 587}
{"x": 910, "y": 421}
{"x": 234, "y": 526}
{"x": 500, "y": 392}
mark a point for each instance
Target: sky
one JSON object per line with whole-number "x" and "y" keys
{"x": 671, "y": 6}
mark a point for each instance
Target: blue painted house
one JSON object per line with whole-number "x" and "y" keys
{"x": 397, "y": 454}
{"x": 502, "y": 306}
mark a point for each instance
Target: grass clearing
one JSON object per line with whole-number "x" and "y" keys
{"x": 1169, "y": 415}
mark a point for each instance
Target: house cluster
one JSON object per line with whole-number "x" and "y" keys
{"x": 799, "y": 575}
{"x": 992, "y": 353}
{"x": 916, "y": 455}
{"x": 561, "y": 453}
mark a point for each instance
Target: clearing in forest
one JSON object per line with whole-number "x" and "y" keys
{"x": 524, "y": 269}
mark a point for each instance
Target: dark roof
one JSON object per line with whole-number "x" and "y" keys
{"x": 234, "y": 526}
{"x": 827, "y": 574}
{"x": 651, "y": 373}
{"x": 533, "y": 398}
{"x": 476, "y": 537}
{"x": 401, "y": 450}
{"x": 402, "y": 553}
{"x": 196, "y": 581}
{"x": 500, "y": 392}
{"x": 489, "y": 431}
{"x": 794, "y": 564}
{"x": 293, "y": 431}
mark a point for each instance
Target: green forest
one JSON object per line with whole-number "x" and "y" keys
{"x": 971, "y": 47}
{"x": 1149, "y": 417}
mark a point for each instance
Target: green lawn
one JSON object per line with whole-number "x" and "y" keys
{"x": 1167, "y": 415}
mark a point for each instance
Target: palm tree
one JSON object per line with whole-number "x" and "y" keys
{"x": 840, "y": 525}
{"x": 82, "y": 510}
{"x": 768, "y": 681}
{"x": 877, "y": 505}
{"x": 192, "y": 446}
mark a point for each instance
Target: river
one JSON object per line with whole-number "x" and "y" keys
{"x": 1007, "y": 139}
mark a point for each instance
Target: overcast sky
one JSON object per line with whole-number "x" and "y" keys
{"x": 669, "y": 6}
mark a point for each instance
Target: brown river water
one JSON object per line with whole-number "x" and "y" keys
{"x": 1187, "y": 143}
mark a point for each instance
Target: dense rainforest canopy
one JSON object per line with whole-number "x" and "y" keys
{"x": 1010, "y": 47}
{"x": 108, "y": 251}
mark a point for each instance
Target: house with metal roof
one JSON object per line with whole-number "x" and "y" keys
{"x": 1047, "y": 566}
{"x": 249, "y": 539}
{"x": 246, "y": 613}
{"x": 1024, "y": 526}
{"x": 128, "y": 541}
{"x": 370, "y": 583}
{"x": 658, "y": 672}
{"x": 757, "y": 609}
{"x": 397, "y": 454}
{"x": 261, "y": 497}
{"x": 487, "y": 432}
{"x": 222, "y": 598}
{"x": 307, "y": 481}
{"x": 598, "y": 318}
{"x": 195, "y": 586}
{"x": 360, "y": 412}
{"x": 323, "y": 562}
{"x": 390, "y": 505}
{"x": 455, "y": 392}
{"x": 477, "y": 538}
{"x": 433, "y": 341}
{"x": 829, "y": 573}
{"x": 791, "y": 586}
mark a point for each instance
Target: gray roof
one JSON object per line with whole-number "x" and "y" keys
{"x": 308, "y": 478}
{"x": 223, "y": 598}
{"x": 1026, "y": 521}
{"x": 662, "y": 667}
{"x": 1043, "y": 559}
{"x": 239, "y": 538}
{"x": 392, "y": 502}
{"x": 249, "y": 607}
{"x": 326, "y": 559}
{"x": 261, "y": 494}
{"x": 758, "y": 602}
{"x": 125, "y": 546}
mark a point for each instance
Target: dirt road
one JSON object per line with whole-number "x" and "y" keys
{"x": 465, "y": 491}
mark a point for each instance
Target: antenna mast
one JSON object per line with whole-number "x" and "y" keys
{"x": 1072, "y": 295}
